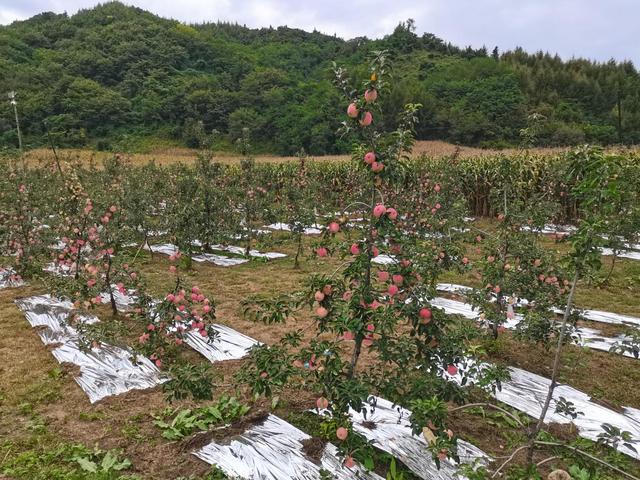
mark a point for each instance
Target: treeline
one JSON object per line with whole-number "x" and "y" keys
{"x": 117, "y": 77}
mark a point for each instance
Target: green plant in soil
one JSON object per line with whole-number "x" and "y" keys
{"x": 364, "y": 311}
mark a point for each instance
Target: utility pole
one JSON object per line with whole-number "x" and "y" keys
{"x": 619, "y": 117}
{"x": 14, "y": 102}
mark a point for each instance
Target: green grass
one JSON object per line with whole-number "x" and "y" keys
{"x": 43, "y": 456}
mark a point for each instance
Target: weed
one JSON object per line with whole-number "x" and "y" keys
{"x": 66, "y": 462}
{"x": 92, "y": 416}
{"x": 36, "y": 424}
{"x": 96, "y": 460}
{"x": 56, "y": 373}
{"x": 186, "y": 421}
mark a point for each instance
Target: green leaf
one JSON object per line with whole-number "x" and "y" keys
{"x": 172, "y": 434}
{"x": 215, "y": 412}
{"x": 126, "y": 463}
{"x": 202, "y": 425}
{"x": 87, "y": 465}
{"x": 108, "y": 462}
{"x": 368, "y": 463}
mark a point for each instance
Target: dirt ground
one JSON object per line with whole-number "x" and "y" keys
{"x": 31, "y": 393}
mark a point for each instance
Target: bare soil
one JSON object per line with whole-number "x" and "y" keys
{"x": 28, "y": 389}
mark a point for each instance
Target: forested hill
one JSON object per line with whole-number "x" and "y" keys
{"x": 116, "y": 77}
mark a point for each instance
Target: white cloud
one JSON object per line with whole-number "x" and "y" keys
{"x": 8, "y": 15}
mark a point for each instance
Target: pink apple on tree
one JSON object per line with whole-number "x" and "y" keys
{"x": 366, "y": 121}
{"x": 370, "y": 157}
{"x": 379, "y": 210}
{"x": 371, "y": 95}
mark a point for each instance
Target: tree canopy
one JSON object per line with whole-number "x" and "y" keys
{"x": 114, "y": 72}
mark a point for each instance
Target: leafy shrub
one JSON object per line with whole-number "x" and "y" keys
{"x": 185, "y": 422}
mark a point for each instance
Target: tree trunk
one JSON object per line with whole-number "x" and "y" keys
{"x": 114, "y": 307}
{"x": 296, "y": 263}
{"x": 554, "y": 374}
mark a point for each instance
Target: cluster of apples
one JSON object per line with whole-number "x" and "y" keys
{"x": 370, "y": 96}
{"x": 353, "y": 111}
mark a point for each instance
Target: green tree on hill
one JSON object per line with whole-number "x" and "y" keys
{"x": 113, "y": 71}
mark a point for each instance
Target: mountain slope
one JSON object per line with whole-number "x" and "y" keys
{"x": 112, "y": 75}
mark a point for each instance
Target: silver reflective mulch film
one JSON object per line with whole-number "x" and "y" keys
{"x": 608, "y": 317}
{"x": 568, "y": 229}
{"x": 57, "y": 269}
{"x": 550, "y": 228}
{"x": 630, "y": 255}
{"x": 221, "y": 260}
{"x": 244, "y": 236}
{"x": 452, "y": 288}
{"x": 631, "y": 251}
{"x": 527, "y": 392}
{"x": 8, "y": 279}
{"x": 227, "y": 345}
{"x": 273, "y": 451}
{"x": 389, "y": 428}
{"x": 106, "y": 370}
{"x": 59, "y": 245}
{"x": 591, "y": 315}
{"x": 155, "y": 233}
{"x": 45, "y": 311}
{"x": 355, "y": 225}
{"x": 588, "y": 337}
{"x": 312, "y": 230}
{"x": 384, "y": 260}
{"x": 124, "y": 302}
{"x": 252, "y": 253}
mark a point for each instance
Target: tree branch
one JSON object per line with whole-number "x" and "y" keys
{"x": 509, "y": 460}
{"x": 585, "y": 454}
{"x": 339, "y": 267}
{"x": 486, "y": 233}
{"x": 550, "y": 459}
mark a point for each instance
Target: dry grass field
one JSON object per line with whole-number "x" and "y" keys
{"x": 167, "y": 156}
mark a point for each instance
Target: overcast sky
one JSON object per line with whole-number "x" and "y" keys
{"x": 596, "y": 29}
